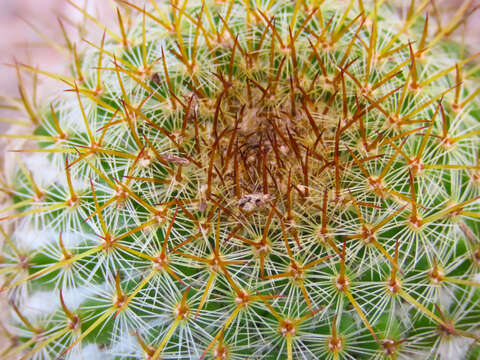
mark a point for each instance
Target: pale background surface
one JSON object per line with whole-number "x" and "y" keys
{"x": 19, "y": 41}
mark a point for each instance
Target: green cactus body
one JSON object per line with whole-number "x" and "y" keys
{"x": 251, "y": 180}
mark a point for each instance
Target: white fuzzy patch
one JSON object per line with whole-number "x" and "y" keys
{"x": 453, "y": 347}
{"x": 124, "y": 344}
{"x": 445, "y": 297}
{"x": 40, "y": 303}
{"x": 403, "y": 312}
{"x": 32, "y": 239}
{"x": 48, "y": 302}
{"x": 44, "y": 171}
{"x": 92, "y": 352}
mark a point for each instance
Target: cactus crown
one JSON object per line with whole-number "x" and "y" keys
{"x": 262, "y": 180}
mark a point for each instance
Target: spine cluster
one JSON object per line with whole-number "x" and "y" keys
{"x": 239, "y": 179}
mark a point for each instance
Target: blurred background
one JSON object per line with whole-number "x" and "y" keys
{"x": 25, "y": 25}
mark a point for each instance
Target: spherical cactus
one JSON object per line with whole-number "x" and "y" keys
{"x": 250, "y": 180}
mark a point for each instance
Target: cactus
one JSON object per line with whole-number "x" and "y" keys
{"x": 250, "y": 180}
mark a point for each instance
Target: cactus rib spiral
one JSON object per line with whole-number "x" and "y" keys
{"x": 236, "y": 179}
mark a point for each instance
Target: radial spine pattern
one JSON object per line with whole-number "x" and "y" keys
{"x": 250, "y": 180}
